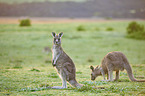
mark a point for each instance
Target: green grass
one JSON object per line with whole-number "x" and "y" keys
{"x": 25, "y": 72}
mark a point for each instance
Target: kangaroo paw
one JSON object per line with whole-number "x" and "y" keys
{"x": 53, "y": 63}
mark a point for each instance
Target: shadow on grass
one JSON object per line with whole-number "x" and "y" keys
{"x": 42, "y": 87}
{"x": 123, "y": 80}
{"x": 34, "y": 69}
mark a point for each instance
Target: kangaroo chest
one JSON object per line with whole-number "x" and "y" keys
{"x": 56, "y": 53}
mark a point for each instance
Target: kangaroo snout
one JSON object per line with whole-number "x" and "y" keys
{"x": 92, "y": 79}
{"x": 56, "y": 40}
{"x": 57, "y": 43}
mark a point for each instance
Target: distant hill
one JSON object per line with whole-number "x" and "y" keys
{"x": 90, "y": 8}
{"x": 24, "y": 1}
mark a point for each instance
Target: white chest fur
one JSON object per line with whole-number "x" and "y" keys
{"x": 56, "y": 53}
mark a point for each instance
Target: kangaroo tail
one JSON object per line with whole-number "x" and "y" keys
{"x": 74, "y": 83}
{"x": 140, "y": 80}
{"x": 129, "y": 70}
{"x": 130, "y": 74}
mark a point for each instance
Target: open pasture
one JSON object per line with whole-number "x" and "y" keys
{"x": 25, "y": 70}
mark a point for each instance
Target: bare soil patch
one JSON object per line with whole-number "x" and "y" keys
{"x": 47, "y": 20}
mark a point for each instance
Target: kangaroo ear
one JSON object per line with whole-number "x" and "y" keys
{"x": 97, "y": 66}
{"x": 53, "y": 34}
{"x": 61, "y": 34}
{"x": 91, "y": 67}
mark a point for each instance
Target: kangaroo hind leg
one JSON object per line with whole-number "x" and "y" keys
{"x": 64, "y": 85}
{"x": 117, "y": 76}
{"x": 64, "y": 82}
{"x": 63, "y": 78}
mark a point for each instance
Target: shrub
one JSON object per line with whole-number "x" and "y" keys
{"x": 109, "y": 29}
{"x": 34, "y": 69}
{"x": 81, "y": 28}
{"x": 25, "y": 22}
{"x": 135, "y": 30}
{"x": 134, "y": 27}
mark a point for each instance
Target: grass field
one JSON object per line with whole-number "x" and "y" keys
{"x": 26, "y": 71}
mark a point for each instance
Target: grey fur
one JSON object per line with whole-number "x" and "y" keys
{"x": 113, "y": 61}
{"x": 63, "y": 64}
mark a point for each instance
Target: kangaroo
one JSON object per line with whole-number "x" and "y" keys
{"x": 113, "y": 61}
{"x": 63, "y": 64}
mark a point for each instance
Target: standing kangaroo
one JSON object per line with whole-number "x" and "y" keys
{"x": 63, "y": 64}
{"x": 113, "y": 61}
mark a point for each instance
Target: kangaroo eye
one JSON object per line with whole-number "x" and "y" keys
{"x": 59, "y": 39}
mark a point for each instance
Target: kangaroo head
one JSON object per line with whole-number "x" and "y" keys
{"x": 57, "y": 38}
{"x": 95, "y": 72}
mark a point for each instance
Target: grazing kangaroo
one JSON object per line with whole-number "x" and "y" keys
{"x": 63, "y": 64}
{"x": 113, "y": 61}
